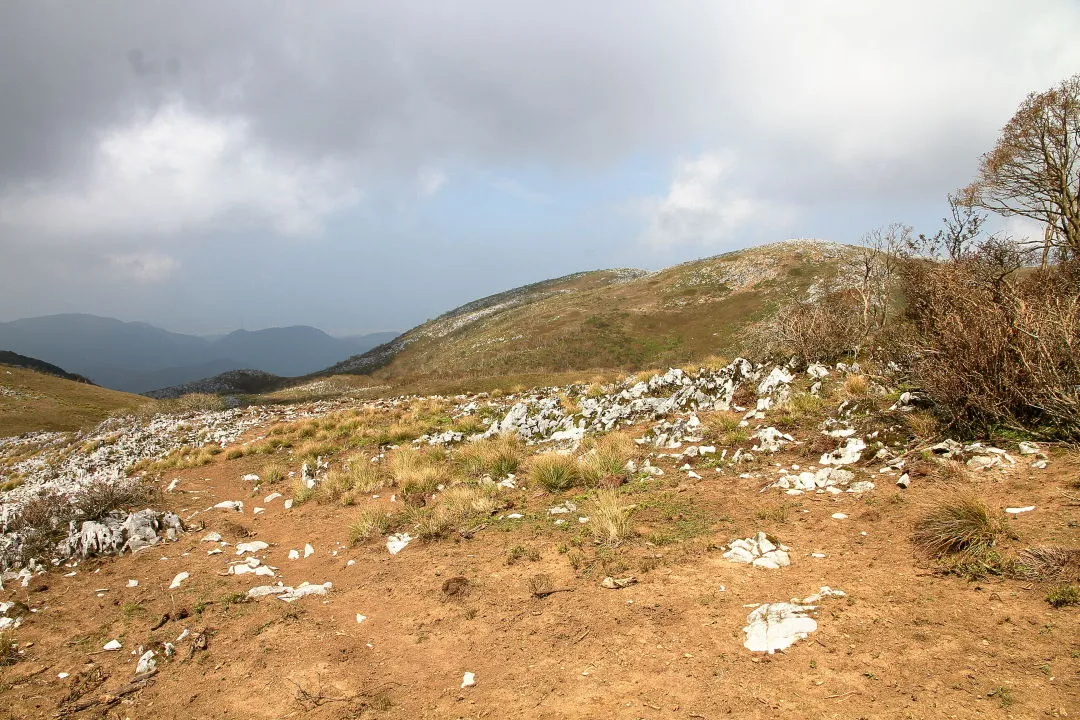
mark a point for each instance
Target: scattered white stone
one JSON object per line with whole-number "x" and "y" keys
{"x": 271, "y": 497}
{"x": 257, "y": 510}
{"x": 251, "y": 547}
{"x": 777, "y": 626}
{"x": 1029, "y": 448}
{"x": 147, "y": 663}
{"x": 1018, "y": 510}
{"x": 850, "y": 452}
{"x": 288, "y": 504}
{"x": 693, "y": 475}
{"x": 180, "y": 577}
{"x": 250, "y": 477}
{"x": 839, "y": 516}
{"x": 758, "y": 551}
{"x": 308, "y": 551}
{"x": 113, "y": 645}
{"x": 770, "y": 440}
{"x": 294, "y": 554}
{"x": 305, "y": 589}
{"x": 234, "y": 505}
{"x": 172, "y": 485}
{"x": 904, "y": 481}
{"x": 255, "y": 593}
{"x": 62, "y": 675}
{"x": 212, "y": 537}
{"x": 397, "y": 542}
{"x": 468, "y": 681}
{"x": 1039, "y": 464}
{"x": 360, "y": 618}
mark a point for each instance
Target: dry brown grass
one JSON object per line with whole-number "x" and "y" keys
{"x": 607, "y": 456}
{"x": 609, "y": 518}
{"x": 457, "y": 508}
{"x": 497, "y": 457}
{"x": 369, "y": 523}
{"x": 957, "y": 524}
{"x": 554, "y": 472}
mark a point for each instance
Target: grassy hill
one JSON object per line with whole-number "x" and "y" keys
{"x": 31, "y": 401}
{"x": 604, "y": 320}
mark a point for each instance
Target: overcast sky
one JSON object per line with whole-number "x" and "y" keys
{"x": 367, "y": 165}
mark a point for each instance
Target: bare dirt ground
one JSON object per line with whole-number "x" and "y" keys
{"x": 906, "y": 642}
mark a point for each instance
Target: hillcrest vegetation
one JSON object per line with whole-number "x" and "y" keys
{"x": 802, "y": 480}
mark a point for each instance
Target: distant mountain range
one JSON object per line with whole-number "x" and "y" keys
{"x": 137, "y": 357}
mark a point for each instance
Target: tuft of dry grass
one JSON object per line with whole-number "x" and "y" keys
{"x": 922, "y": 424}
{"x": 1048, "y": 563}
{"x": 856, "y": 385}
{"x": 608, "y": 456}
{"x": 957, "y": 525}
{"x": 274, "y": 472}
{"x": 497, "y": 456}
{"x": 301, "y": 493}
{"x": 452, "y": 509}
{"x": 609, "y": 519}
{"x": 369, "y": 523}
{"x": 554, "y": 471}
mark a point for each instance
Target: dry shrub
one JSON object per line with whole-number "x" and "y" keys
{"x": 956, "y": 525}
{"x": 821, "y": 329}
{"x": 9, "y": 650}
{"x": 991, "y": 346}
{"x": 99, "y": 498}
{"x": 554, "y": 471}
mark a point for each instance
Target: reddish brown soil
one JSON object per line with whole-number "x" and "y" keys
{"x": 905, "y": 643}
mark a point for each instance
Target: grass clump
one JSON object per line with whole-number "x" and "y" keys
{"x": 454, "y": 509}
{"x": 519, "y": 552}
{"x": 358, "y": 477}
{"x": 607, "y": 458}
{"x": 419, "y": 472}
{"x": 497, "y": 457}
{"x": 274, "y": 472}
{"x": 369, "y": 523}
{"x": 957, "y": 525}
{"x": 554, "y": 472}
{"x": 961, "y": 532}
{"x": 301, "y": 492}
{"x": 609, "y": 519}
{"x": 1064, "y": 595}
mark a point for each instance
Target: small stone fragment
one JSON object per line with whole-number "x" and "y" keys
{"x": 180, "y": 577}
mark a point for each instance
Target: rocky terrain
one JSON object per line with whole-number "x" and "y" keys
{"x": 731, "y": 539}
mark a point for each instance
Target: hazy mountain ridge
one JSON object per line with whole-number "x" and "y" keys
{"x": 137, "y": 357}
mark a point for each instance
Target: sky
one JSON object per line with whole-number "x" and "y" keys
{"x": 364, "y": 166}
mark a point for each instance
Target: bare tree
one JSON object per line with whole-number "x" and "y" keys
{"x": 1034, "y": 170}
{"x": 873, "y": 266}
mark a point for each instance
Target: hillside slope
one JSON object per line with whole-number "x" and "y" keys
{"x": 610, "y": 319}
{"x": 32, "y": 401}
{"x": 13, "y": 359}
